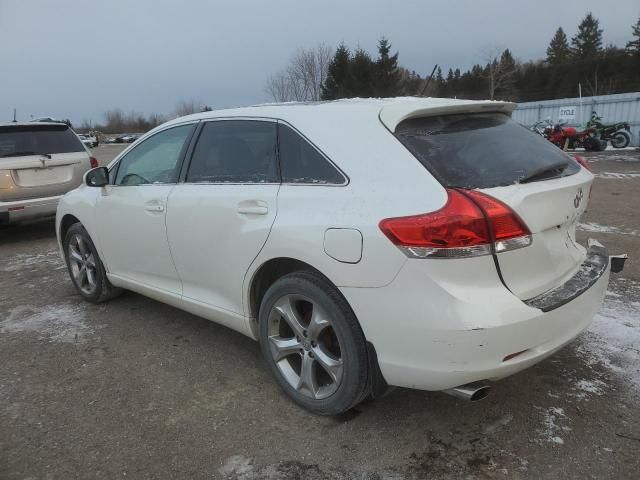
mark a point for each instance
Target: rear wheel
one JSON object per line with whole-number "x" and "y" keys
{"x": 620, "y": 140}
{"x": 85, "y": 268}
{"x": 313, "y": 344}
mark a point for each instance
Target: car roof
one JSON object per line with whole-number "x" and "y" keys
{"x": 349, "y": 131}
{"x": 29, "y": 124}
{"x": 391, "y": 111}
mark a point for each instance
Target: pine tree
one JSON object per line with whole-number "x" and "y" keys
{"x": 387, "y": 78}
{"x": 558, "y": 50}
{"x": 337, "y": 83}
{"x": 633, "y": 47}
{"x": 362, "y": 70}
{"x": 507, "y": 62}
{"x": 587, "y": 43}
{"x": 450, "y": 76}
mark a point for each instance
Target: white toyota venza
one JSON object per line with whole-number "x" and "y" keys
{"x": 421, "y": 243}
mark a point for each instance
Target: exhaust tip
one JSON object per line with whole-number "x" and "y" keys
{"x": 480, "y": 394}
{"x": 471, "y": 392}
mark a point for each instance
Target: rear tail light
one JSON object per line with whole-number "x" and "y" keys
{"x": 582, "y": 161}
{"x": 94, "y": 162}
{"x": 469, "y": 225}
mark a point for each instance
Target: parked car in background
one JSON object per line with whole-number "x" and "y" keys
{"x": 128, "y": 138}
{"x": 430, "y": 245}
{"x": 89, "y": 140}
{"x": 39, "y": 162}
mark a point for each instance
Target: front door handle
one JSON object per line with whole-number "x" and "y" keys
{"x": 253, "y": 207}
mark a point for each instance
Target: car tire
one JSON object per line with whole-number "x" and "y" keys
{"x": 85, "y": 268}
{"x": 313, "y": 343}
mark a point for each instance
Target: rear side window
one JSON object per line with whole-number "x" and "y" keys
{"x": 480, "y": 150}
{"x": 22, "y": 140}
{"x": 300, "y": 162}
{"x": 235, "y": 151}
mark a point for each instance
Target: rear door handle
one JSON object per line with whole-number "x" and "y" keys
{"x": 154, "y": 207}
{"x": 253, "y": 207}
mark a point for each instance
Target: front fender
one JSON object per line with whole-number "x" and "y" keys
{"x": 81, "y": 204}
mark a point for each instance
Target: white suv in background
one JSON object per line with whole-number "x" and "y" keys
{"x": 39, "y": 162}
{"x": 423, "y": 243}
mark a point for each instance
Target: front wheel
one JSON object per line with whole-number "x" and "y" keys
{"x": 313, "y": 344}
{"x": 85, "y": 268}
{"x": 620, "y": 140}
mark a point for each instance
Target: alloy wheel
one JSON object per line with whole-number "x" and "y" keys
{"x": 305, "y": 347}
{"x": 82, "y": 263}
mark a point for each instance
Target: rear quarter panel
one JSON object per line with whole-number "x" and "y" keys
{"x": 385, "y": 180}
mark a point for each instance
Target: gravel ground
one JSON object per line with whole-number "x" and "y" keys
{"x": 133, "y": 388}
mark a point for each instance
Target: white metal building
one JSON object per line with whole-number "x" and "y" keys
{"x": 623, "y": 107}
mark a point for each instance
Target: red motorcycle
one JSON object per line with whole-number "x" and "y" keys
{"x": 571, "y": 138}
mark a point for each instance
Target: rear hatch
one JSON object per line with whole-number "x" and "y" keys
{"x": 492, "y": 153}
{"x": 39, "y": 160}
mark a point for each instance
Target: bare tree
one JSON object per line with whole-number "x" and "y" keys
{"x": 500, "y": 68}
{"x": 278, "y": 87}
{"x": 115, "y": 120}
{"x": 302, "y": 78}
{"x": 186, "y": 107}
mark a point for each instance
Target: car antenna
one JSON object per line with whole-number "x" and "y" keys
{"x": 14, "y": 116}
{"x": 424, "y": 89}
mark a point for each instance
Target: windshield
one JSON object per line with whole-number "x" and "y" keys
{"x": 482, "y": 150}
{"x": 22, "y": 140}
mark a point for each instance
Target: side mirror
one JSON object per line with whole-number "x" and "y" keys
{"x": 97, "y": 177}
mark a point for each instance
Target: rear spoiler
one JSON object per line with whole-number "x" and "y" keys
{"x": 394, "y": 113}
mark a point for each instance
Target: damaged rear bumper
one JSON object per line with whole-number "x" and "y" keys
{"x": 441, "y": 326}
{"x": 590, "y": 271}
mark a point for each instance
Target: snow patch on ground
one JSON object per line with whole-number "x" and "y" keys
{"x": 22, "y": 261}
{"x": 597, "y": 228}
{"x": 618, "y": 176}
{"x": 589, "y": 387}
{"x": 237, "y": 467}
{"x": 613, "y": 341}
{"x": 57, "y": 323}
{"x": 552, "y": 418}
{"x": 620, "y": 157}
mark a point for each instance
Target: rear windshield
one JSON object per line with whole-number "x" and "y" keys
{"x": 482, "y": 150}
{"x": 22, "y": 140}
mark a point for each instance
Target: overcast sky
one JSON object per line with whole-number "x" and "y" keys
{"x": 77, "y": 58}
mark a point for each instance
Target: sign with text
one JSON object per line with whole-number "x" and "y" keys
{"x": 567, "y": 114}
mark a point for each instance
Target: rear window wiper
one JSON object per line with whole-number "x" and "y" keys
{"x": 547, "y": 171}
{"x": 24, "y": 154}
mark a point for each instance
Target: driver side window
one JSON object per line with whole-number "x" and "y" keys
{"x": 155, "y": 160}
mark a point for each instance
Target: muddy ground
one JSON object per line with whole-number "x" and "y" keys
{"x": 136, "y": 389}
